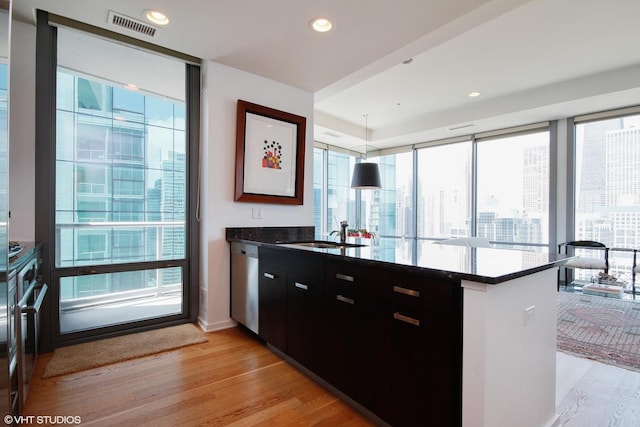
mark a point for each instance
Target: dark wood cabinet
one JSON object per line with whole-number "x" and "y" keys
{"x": 272, "y": 300}
{"x": 305, "y": 321}
{"x": 291, "y": 304}
{"x": 351, "y": 330}
{"x": 305, "y": 310}
{"x": 391, "y": 340}
{"x": 419, "y": 352}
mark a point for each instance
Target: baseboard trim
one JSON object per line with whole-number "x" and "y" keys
{"x": 217, "y": 326}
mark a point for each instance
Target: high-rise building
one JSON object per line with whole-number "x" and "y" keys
{"x": 592, "y": 180}
{"x": 622, "y": 186}
{"x": 118, "y": 163}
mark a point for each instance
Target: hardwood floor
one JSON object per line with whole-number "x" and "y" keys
{"x": 234, "y": 380}
{"x": 592, "y": 394}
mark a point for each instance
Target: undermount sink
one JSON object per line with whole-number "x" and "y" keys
{"x": 325, "y": 244}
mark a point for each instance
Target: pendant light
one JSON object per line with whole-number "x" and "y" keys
{"x": 366, "y": 176}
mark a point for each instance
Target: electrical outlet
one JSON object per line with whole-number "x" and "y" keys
{"x": 529, "y": 315}
{"x": 257, "y": 213}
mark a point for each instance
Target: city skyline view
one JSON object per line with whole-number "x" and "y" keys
{"x": 512, "y": 195}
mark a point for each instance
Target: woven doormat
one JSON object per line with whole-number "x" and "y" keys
{"x": 103, "y": 352}
{"x": 598, "y": 328}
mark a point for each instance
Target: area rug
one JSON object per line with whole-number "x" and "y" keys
{"x": 103, "y": 352}
{"x": 602, "y": 329}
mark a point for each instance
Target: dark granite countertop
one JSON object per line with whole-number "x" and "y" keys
{"x": 484, "y": 265}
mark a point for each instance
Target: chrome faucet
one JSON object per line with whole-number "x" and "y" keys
{"x": 343, "y": 231}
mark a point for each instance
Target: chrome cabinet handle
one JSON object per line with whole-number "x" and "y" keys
{"x": 301, "y": 286}
{"x": 405, "y": 291}
{"x": 406, "y": 319}
{"x": 345, "y": 299}
{"x": 269, "y": 276}
{"x": 344, "y": 277}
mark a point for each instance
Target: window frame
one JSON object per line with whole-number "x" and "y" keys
{"x": 46, "y": 73}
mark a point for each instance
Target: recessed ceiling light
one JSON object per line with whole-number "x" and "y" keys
{"x": 474, "y": 94}
{"x": 131, "y": 86}
{"x": 156, "y": 17}
{"x": 321, "y": 25}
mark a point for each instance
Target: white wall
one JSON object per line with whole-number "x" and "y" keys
{"x": 221, "y": 88}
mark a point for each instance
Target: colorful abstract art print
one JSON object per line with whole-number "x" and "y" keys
{"x": 272, "y": 155}
{"x": 269, "y": 155}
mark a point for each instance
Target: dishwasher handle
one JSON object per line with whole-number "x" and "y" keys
{"x": 244, "y": 249}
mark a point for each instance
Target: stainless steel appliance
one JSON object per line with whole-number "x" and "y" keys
{"x": 11, "y": 350}
{"x": 27, "y": 317}
{"x": 244, "y": 284}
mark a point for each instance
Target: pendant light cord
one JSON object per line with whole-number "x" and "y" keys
{"x": 366, "y": 135}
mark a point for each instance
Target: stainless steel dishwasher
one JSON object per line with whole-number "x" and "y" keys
{"x": 244, "y": 284}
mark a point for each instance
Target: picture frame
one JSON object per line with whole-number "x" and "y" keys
{"x": 270, "y": 149}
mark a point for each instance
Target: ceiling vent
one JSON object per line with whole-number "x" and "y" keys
{"x": 123, "y": 21}
{"x": 461, "y": 127}
{"x": 332, "y": 134}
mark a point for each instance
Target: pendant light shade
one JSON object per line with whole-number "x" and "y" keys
{"x": 366, "y": 176}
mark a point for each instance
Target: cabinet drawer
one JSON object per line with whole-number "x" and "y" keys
{"x": 406, "y": 316}
{"x": 406, "y": 289}
{"x": 406, "y": 292}
{"x": 416, "y": 291}
{"x": 348, "y": 277}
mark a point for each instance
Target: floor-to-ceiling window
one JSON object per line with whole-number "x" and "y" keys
{"x": 513, "y": 184}
{"x": 341, "y": 199}
{"x": 120, "y": 197}
{"x": 389, "y": 211}
{"x": 121, "y": 239}
{"x": 444, "y": 190}
{"x": 607, "y": 185}
{"x": 319, "y": 195}
{"x": 492, "y": 185}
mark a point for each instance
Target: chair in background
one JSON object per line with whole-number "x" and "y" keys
{"x": 473, "y": 242}
{"x": 622, "y": 267}
{"x": 599, "y": 260}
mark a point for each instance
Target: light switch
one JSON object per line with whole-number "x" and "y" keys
{"x": 257, "y": 213}
{"x": 529, "y": 315}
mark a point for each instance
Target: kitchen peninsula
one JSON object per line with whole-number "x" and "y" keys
{"x": 416, "y": 332}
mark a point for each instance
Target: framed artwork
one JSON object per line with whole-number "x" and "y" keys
{"x": 269, "y": 155}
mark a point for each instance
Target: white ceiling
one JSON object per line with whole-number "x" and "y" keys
{"x": 530, "y": 60}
